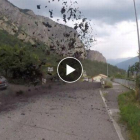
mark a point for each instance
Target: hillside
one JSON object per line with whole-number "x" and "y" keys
{"x": 9, "y": 40}
{"x": 28, "y": 27}
{"x": 94, "y": 68}
{"x": 21, "y": 27}
{"x": 95, "y": 56}
{"x": 125, "y": 64}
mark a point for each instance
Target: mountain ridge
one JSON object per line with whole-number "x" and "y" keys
{"x": 32, "y": 28}
{"x": 118, "y": 60}
{"x": 125, "y": 64}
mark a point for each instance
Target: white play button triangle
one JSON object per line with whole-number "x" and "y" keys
{"x": 69, "y": 69}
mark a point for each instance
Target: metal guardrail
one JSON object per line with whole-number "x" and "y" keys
{"x": 127, "y": 83}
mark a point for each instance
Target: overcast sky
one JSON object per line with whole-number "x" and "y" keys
{"x": 113, "y": 23}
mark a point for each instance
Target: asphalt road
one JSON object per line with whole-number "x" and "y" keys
{"x": 69, "y": 112}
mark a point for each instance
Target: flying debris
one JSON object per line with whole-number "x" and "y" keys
{"x": 81, "y": 25}
{"x": 76, "y": 2}
{"x": 64, "y": 3}
{"x": 74, "y": 15}
{"x": 76, "y": 26}
{"x": 69, "y": 18}
{"x": 86, "y": 27}
{"x": 51, "y": 13}
{"x": 64, "y": 18}
{"x": 70, "y": 12}
{"x": 91, "y": 40}
{"x": 47, "y": 24}
{"x": 38, "y": 6}
{"x": 84, "y": 19}
{"x": 63, "y": 10}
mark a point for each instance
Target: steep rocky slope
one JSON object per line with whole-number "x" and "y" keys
{"x": 96, "y": 56}
{"x": 28, "y": 27}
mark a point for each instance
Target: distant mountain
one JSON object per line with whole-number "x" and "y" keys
{"x": 125, "y": 64}
{"x": 116, "y": 61}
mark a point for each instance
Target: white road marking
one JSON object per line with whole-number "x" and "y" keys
{"x": 116, "y": 126}
{"x": 114, "y": 111}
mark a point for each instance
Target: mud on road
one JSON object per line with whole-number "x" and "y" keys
{"x": 57, "y": 112}
{"x": 12, "y": 97}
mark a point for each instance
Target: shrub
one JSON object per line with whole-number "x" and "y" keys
{"x": 120, "y": 76}
{"x": 20, "y": 63}
{"x": 137, "y": 92}
{"x": 111, "y": 78}
{"x": 108, "y": 84}
{"x": 130, "y": 113}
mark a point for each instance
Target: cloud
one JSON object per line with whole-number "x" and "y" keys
{"x": 121, "y": 41}
{"x": 109, "y": 11}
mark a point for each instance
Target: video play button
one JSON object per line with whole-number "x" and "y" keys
{"x": 70, "y": 70}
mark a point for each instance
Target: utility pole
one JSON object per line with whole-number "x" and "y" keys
{"x": 137, "y": 30}
{"x": 107, "y": 69}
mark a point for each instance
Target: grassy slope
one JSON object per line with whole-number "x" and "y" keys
{"x": 6, "y": 39}
{"x": 94, "y": 68}
{"x": 10, "y": 40}
{"x": 130, "y": 113}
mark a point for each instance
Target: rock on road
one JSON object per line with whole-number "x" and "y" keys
{"x": 69, "y": 112}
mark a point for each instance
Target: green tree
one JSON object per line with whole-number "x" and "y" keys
{"x": 5, "y": 58}
{"x": 21, "y": 63}
{"x": 136, "y": 65}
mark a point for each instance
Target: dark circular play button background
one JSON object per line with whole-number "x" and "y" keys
{"x": 74, "y": 76}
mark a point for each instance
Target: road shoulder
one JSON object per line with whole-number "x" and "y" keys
{"x": 110, "y": 99}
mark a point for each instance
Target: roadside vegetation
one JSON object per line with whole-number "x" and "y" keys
{"x": 19, "y": 64}
{"x": 94, "y": 68}
{"x": 120, "y": 76}
{"x": 108, "y": 84}
{"x": 130, "y": 113}
{"x": 129, "y": 104}
{"x": 22, "y": 63}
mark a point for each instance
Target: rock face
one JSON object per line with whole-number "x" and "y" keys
{"x": 95, "y": 56}
{"x": 28, "y": 27}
